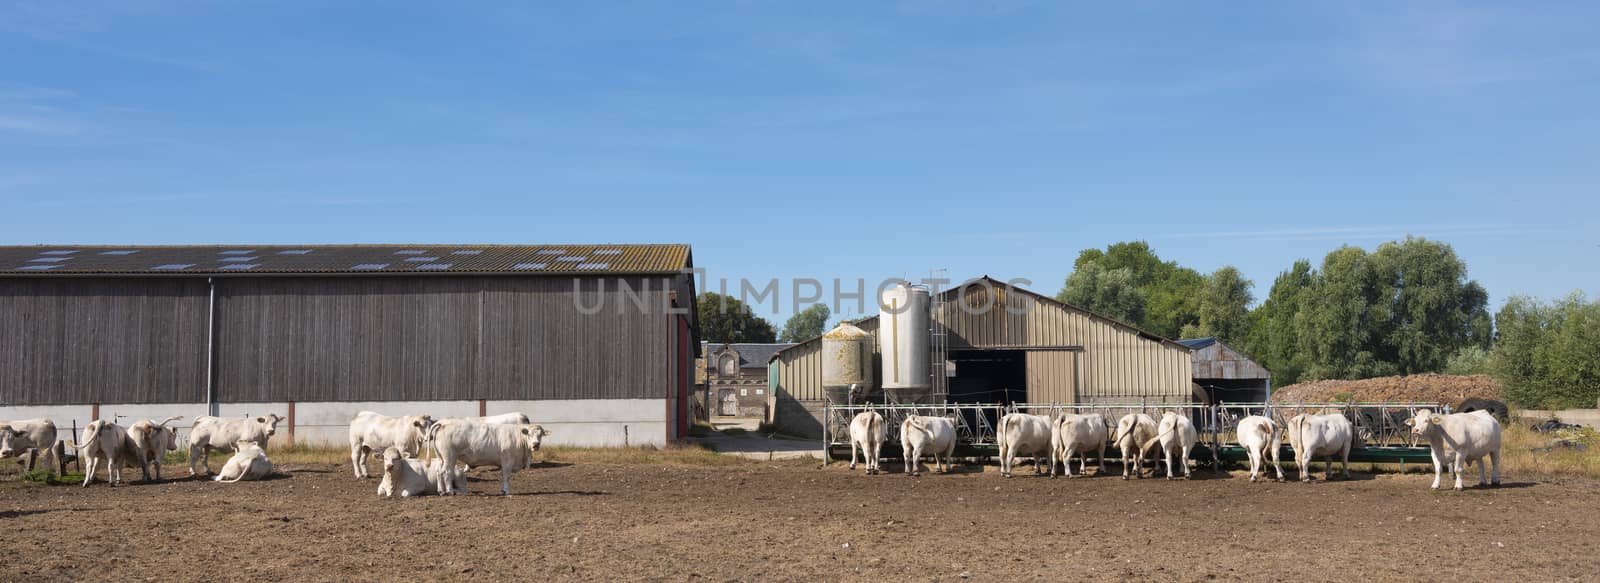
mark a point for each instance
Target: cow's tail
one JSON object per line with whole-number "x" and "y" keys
{"x": 875, "y": 425}
{"x": 1000, "y": 436}
{"x": 1149, "y": 444}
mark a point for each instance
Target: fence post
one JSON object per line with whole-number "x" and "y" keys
{"x": 291, "y": 423}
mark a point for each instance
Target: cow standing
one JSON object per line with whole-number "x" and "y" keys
{"x": 1460, "y": 439}
{"x": 249, "y": 462}
{"x": 1177, "y": 437}
{"x": 106, "y": 443}
{"x": 370, "y": 432}
{"x": 32, "y": 436}
{"x": 223, "y": 434}
{"x": 934, "y": 435}
{"x": 154, "y": 440}
{"x": 1326, "y": 435}
{"x": 1077, "y": 434}
{"x": 1260, "y": 436}
{"x": 1023, "y": 434}
{"x": 867, "y": 433}
{"x": 464, "y": 441}
{"x": 1133, "y": 430}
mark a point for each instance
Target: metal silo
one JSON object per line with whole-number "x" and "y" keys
{"x": 846, "y": 361}
{"x": 903, "y": 333}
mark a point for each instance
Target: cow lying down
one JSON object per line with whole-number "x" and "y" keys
{"x": 412, "y": 477}
{"x": 249, "y": 462}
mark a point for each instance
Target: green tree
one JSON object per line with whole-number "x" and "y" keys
{"x": 1433, "y": 310}
{"x": 1468, "y": 360}
{"x": 1272, "y": 341}
{"x": 1338, "y": 327}
{"x": 1170, "y": 293}
{"x": 1224, "y": 307}
{"x": 726, "y": 319}
{"x": 1111, "y": 293}
{"x": 1548, "y": 355}
{"x": 806, "y": 324}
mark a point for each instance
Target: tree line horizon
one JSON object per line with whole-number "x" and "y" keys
{"x": 1406, "y": 307}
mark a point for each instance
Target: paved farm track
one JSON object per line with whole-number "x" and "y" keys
{"x": 797, "y": 522}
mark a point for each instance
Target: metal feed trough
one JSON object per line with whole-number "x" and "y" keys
{"x": 1381, "y": 433}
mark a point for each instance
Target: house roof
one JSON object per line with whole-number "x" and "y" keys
{"x": 414, "y": 259}
{"x": 1198, "y": 343}
{"x": 750, "y": 355}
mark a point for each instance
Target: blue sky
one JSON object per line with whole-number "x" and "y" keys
{"x": 819, "y": 140}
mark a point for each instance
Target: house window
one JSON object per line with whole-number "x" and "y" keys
{"x": 730, "y": 365}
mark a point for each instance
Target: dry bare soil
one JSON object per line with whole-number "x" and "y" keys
{"x": 797, "y": 522}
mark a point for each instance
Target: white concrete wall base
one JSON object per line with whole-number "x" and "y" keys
{"x": 576, "y": 423}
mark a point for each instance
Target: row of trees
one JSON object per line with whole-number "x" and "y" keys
{"x": 726, "y": 319}
{"x": 1407, "y": 307}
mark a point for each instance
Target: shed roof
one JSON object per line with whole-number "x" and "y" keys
{"x": 414, "y": 259}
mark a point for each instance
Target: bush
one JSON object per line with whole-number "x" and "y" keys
{"x": 1546, "y": 352}
{"x": 1468, "y": 360}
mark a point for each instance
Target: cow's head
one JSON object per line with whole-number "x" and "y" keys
{"x": 392, "y": 457}
{"x": 270, "y": 422}
{"x": 535, "y": 435}
{"x": 1424, "y": 422}
{"x": 7, "y": 434}
{"x": 166, "y": 438}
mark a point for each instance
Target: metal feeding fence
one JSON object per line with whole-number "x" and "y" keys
{"x": 1381, "y": 433}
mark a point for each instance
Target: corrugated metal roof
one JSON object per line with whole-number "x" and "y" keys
{"x": 1198, "y": 343}
{"x": 430, "y": 259}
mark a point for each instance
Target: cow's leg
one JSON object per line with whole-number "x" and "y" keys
{"x": 1303, "y": 463}
{"x": 88, "y": 472}
{"x": 1125, "y": 464}
{"x": 853, "y": 445}
{"x": 1101, "y": 467}
{"x": 505, "y": 479}
{"x": 1275, "y": 462}
{"x": 1494, "y": 456}
{"x": 194, "y": 454}
{"x": 905, "y": 456}
{"x": 1255, "y": 461}
{"x": 1439, "y": 466}
{"x": 1184, "y": 459}
{"x": 1345, "y": 460}
{"x": 1483, "y": 477}
{"x": 358, "y": 460}
{"x": 1457, "y": 468}
{"x": 877, "y": 456}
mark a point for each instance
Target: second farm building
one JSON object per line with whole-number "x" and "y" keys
{"x": 1024, "y": 348}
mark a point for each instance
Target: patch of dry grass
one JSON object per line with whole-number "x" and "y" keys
{"x": 1529, "y": 453}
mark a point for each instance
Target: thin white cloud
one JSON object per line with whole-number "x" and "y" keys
{"x": 1366, "y": 233}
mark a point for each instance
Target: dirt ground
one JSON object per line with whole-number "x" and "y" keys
{"x": 794, "y": 521}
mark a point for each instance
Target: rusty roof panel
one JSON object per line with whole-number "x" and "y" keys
{"x": 60, "y": 260}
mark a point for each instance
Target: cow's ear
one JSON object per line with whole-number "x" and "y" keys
{"x": 1411, "y": 423}
{"x": 1436, "y": 419}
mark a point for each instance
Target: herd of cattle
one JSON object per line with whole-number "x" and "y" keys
{"x": 1455, "y": 440}
{"x": 507, "y": 441}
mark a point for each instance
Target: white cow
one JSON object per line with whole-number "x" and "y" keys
{"x": 464, "y": 441}
{"x": 1261, "y": 436}
{"x": 1077, "y": 434}
{"x": 934, "y": 435}
{"x": 501, "y": 419}
{"x": 106, "y": 443}
{"x": 1460, "y": 438}
{"x": 1133, "y": 430}
{"x": 1023, "y": 434}
{"x": 249, "y": 462}
{"x": 224, "y": 433}
{"x": 32, "y": 436}
{"x": 1314, "y": 435}
{"x": 867, "y": 433}
{"x": 1177, "y": 437}
{"x": 370, "y": 432}
{"x": 414, "y": 477}
{"x": 154, "y": 440}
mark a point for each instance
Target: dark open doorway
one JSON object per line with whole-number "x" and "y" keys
{"x": 989, "y": 376}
